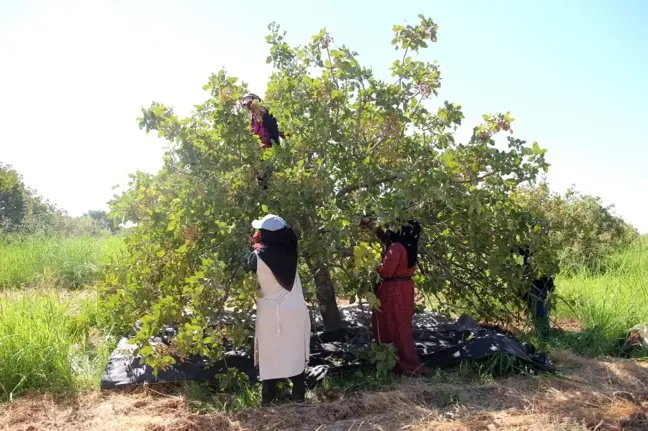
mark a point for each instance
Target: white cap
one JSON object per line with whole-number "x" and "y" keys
{"x": 270, "y": 222}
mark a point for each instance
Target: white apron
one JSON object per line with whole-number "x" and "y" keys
{"x": 282, "y": 330}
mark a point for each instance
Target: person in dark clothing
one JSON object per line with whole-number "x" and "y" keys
{"x": 538, "y": 294}
{"x": 393, "y": 322}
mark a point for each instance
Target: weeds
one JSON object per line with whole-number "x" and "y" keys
{"x": 235, "y": 393}
{"x": 53, "y": 261}
{"x": 47, "y": 343}
{"x": 606, "y": 305}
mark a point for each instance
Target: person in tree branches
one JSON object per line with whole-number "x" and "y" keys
{"x": 262, "y": 122}
{"x": 393, "y": 322}
{"x": 264, "y": 125}
{"x": 537, "y": 295}
{"x": 282, "y": 328}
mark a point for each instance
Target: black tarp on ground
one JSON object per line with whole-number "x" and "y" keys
{"x": 439, "y": 343}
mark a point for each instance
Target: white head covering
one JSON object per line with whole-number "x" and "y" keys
{"x": 270, "y": 222}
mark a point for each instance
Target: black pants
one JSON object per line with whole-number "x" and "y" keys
{"x": 537, "y": 303}
{"x": 269, "y": 389}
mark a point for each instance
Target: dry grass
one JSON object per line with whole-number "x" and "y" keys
{"x": 589, "y": 394}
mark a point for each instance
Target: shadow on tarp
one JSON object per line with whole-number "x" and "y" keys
{"x": 439, "y": 343}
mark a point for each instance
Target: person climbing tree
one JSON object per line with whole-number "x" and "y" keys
{"x": 263, "y": 124}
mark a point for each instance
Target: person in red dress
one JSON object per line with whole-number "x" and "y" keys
{"x": 392, "y": 323}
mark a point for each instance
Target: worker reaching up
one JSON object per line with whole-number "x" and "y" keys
{"x": 392, "y": 323}
{"x": 282, "y": 328}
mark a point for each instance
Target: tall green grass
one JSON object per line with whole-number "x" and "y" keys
{"x": 48, "y": 342}
{"x": 606, "y": 305}
{"x": 47, "y": 261}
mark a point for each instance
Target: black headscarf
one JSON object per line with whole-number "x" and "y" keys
{"x": 280, "y": 252}
{"x": 408, "y": 235}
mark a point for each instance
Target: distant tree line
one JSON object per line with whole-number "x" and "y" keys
{"x": 582, "y": 230}
{"x": 23, "y": 211}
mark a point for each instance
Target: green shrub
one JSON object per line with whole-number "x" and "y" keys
{"x": 583, "y": 231}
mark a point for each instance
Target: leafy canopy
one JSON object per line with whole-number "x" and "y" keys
{"x": 357, "y": 146}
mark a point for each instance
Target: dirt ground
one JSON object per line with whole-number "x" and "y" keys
{"x": 587, "y": 394}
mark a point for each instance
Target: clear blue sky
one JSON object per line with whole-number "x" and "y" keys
{"x": 74, "y": 74}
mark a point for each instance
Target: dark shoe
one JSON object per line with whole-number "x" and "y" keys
{"x": 267, "y": 403}
{"x": 296, "y": 398}
{"x": 268, "y": 392}
{"x": 299, "y": 388}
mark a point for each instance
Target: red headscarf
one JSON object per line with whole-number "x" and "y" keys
{"x": 257, "y": 240}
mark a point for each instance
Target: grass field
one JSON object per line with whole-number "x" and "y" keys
{"x": 606, "y": 306}
{"x": 53, "y": 261}
{"x": 50, "y": 337}
{"x": 49, "y": 341}
{"x": 53, "y": 338}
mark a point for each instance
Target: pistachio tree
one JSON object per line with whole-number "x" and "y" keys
{"x": 356, "y": 146}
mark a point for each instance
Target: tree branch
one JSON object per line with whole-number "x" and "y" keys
{"x": 400, "y": 78}
{"x": 376, "y": 145}
{"x": 337, "y": 86}
{"x": 352, "y": 188}
{"x": 478, "y": 179}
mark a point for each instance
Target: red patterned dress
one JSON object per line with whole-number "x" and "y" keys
{"x": 393, "y": 322}
{"x": 256, "y": 124}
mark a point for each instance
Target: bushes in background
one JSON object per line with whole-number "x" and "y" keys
{"x": 585, "y": 232}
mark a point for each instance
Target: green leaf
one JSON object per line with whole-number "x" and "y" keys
{"x": 146, "y": 351}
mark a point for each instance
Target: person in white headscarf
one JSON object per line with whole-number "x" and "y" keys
{"x": 282, "y": 330}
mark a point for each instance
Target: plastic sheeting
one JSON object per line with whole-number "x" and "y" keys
{"x": 439, "y": 343}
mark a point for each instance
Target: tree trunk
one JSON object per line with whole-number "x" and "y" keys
{"x": 324, "y": 287}
{"x": 325, "y": 292}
